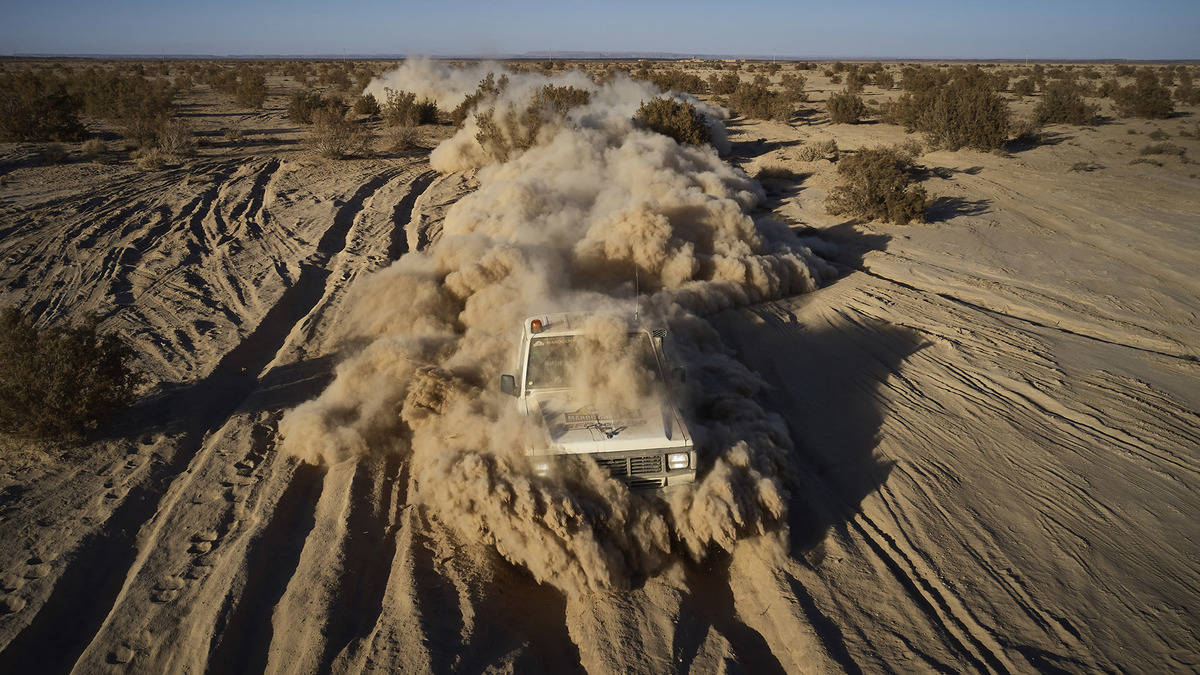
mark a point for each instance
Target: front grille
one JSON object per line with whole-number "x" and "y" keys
{"x": 616, "y": 466}
{"x": 644, "y": 465}
{"x": 644, "y": 483}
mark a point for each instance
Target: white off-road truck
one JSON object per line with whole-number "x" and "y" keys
{"x": 649, "y": 448}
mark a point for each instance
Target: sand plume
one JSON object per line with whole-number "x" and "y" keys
{"x": 566, "y": 225}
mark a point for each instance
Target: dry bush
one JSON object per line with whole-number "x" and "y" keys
{"x": 1062, "y": 103}
{"x": 826, "y": 149}
{"x": 403, "y": 110}
{"x": 875, "y": 184}
{"x": 94, "y": 150}
{"x": 1146, "y": 98}
{"x": 335, "y": 137}
{"x": 177, "y": 137}
{"x": 884, "y": 80}
{"x": 793, "y": 87}
{"x": 366, "y": 106}
{"x": 61, "y": 382}
{"x": 302, "y": 105}
{"x": 251, "y": 89}
{"x": 149, "y": 159}
{"x": 774, "y": 172}
{"x": 679, "y": 120}
{"x": 401, "y": 139}
{"x": 966, "y": 112}
{"x": 504, "y": 135}
{"x": 756, "y": 100}
{"x": 723, "y": 84}
{"x": 38, "y": 108}
{"x": 845, "y": 108}
{"x": 487, "y": 91}
{"x": 1024, "y": 87}
{"x": 53, "y": 154}
{"x": 1158, "y": 135}
{"x": 1161, "y": 149}
{"x": 673, "y": 79}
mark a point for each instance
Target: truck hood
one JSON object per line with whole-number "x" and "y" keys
{"x": 575, "y": 426}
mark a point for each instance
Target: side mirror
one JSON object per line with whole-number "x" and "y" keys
{"x": 679, "y": 374}
{"x": 508, "y": 385}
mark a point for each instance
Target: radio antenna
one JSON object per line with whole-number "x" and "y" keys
{"x": 636, "y": 295}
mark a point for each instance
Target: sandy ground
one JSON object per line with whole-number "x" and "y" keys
{"x": 996, "y": 417}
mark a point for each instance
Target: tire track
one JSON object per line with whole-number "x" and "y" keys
{"x": 103, "y": 563}
{"x": 402, "y": 214}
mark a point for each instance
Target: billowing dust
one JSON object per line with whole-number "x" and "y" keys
{"x": 565, "y": 225}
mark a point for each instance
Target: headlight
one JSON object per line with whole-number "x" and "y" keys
{"x": 541, "y": 467}
{"x": 677, "y": 460}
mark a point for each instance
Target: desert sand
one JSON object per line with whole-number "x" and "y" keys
{"x": 994, "y": 423}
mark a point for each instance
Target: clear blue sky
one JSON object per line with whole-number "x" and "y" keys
{"x": 1079, "y": 29}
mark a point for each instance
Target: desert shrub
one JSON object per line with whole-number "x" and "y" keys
{"x": 875, "y": 184}
{"x": 1159, "y": 135}
{"x": 1083, "y": 166}
{"x": 1187, "y": 93}
{"x": 401, "y": 139}
{"x": 723, "y": 84}
{"x": 1024, "y": 87}
{"x": 94, "y": 150}
{"x": 1026, "y": 132}
{"x": 793, "y": 87}
{"x": 822, "y": 150}
{"x": 489, "y": 88}
{"x": 251, "y": 90}
{"x": 121, "y": 96}
{"x": 366, "y": 105}
{"x": 1062, "y": 103}
{"x": 845, "y": 108}
{"x": 149, "y": 158}
{"x": 965, "y": 113}
{"x": 61, "y": 382}
{"x": 773, "y": 172}
{"x": 678, "y": 119}
{"x": 503, "y": 134}
{"x": 1161, "y": 149}
{"x": 302, "y": 105}
{"x": 756, "y": 100}
{"x": 836, "y": 78}
{"x": 672, "y": 79}
{"x": 177, "y": 137}
{"x": 53, "y": 154}
{"x": 335, "y": 137}
{"x": 37, "y": 108}
{"x": 884, "y": 80}
{"x": 1108, "y": 88}
{"x": 856, "y": 79}
{"x": 402, "y": 109}
{"x": 1147, "y": 98}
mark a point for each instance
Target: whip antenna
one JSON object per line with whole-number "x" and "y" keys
{"x": 636, "y": 295}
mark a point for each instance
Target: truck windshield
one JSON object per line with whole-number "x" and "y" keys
{"x": 551, "y": 360}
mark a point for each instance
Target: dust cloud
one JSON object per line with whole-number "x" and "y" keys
{"x": 565, "y": 225}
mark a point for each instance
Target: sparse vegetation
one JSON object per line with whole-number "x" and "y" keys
{"x": 61, "y": 382}
{"x": 966, "y": 112}
{"x": 826, "y": 149}
{"x": 94, "y": 150}
{"x": 402, "y": 109}
{"x": 678, "y": 119}
{"x": 774, "y": 172}
{"x": 1062, "y": 103}
{"x": 335, "y": 137}
{"x": 366, "y": 106}
{"x": 875, "y": 184}
{"x": 756, "y": 100}
{"x": 845, "y": 108}
{"x": 53, "y": 154}
{"x": 1146, "y": 98}
{"x": 36, "y": 108}
{"x": 502, "y": 135}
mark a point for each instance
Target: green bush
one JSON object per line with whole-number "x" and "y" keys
{"x": 1147, "y": 98}
{"x": 845, "y": 108}
{"x": 679, "y": 120}
{"x": 875, "y": 184}
{"x": 966, "y": 112}
{"x": 402, "y": 109}
{"x": 1062, "y": 103}
{"x": 61, "y": 382}
{"x": 723, "y": 85}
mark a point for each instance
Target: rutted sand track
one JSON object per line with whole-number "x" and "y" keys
{"x": 996, "y": 463}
